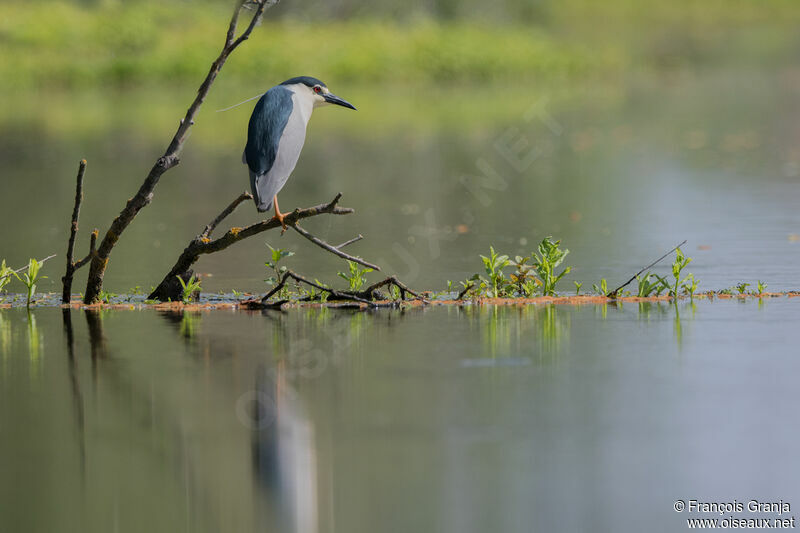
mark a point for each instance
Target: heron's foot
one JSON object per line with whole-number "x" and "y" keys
{"x": 281, "y": 217}
{"x": 278, "y": 215}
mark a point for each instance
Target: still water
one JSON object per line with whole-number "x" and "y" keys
{"x": 537, "y": 418}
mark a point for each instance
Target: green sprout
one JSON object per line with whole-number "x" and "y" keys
{"x": 690, "y": 285}
{"x": 355, "y": 278}
{"x": 189, "y": 288}
{"x": 577, "y": 287}
{"x": 677, "y": 267}
{"x": 549, "y": 258}
{"x": 601, "y": 289}
{"x": 522, "y": 279}
{"x": 649, "y": 284}
{"x": 494, "y": 265}
{"x": 30, "y": 277}
{"x": 761, "y": 287}
{"x": 5, "y": 275}
{"x": 106, "y": 296}
{"x": 742, "y": 287}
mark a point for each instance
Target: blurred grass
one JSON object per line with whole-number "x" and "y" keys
{"x": 64, "y": 44}
{"x": 78, "y": 67}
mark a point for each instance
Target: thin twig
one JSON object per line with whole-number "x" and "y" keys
{"x": 227, "y": 211}
{"x": 465, "y": 291}
{"x": 391, "y": 280}
{"x": 333, "y": 249}
{"x": 17, "y": 271}
{"x": 351, "y": 241}
{"x": 92, "y": 250}
{"x": 613, "y": 294}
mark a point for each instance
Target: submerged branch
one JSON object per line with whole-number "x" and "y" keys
{"x": 613, "y": 294}
{"x": 365, "y": 297}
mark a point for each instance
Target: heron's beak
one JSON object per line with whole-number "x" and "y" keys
{"x": 333, "y": 99}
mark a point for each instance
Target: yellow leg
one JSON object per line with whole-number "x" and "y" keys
{"x": 278, "y": 215}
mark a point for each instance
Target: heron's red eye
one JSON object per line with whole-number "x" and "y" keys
{"x": 317, "y": 89}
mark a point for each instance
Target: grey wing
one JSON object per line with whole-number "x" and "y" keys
{"x": 265, "y": 129}
{"x": 289, "y": 147}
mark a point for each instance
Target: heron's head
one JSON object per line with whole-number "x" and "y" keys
{"x": 316, "y": 90}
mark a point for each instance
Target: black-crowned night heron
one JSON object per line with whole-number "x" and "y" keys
{"x": 276, "y": 134}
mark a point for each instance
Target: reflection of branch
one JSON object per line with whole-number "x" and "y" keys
{"x": 202, "y": 244}
{"x": 169, "y": 159}
{"x": 613, "y": 294}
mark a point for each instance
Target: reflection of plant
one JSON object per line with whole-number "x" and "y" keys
{"x": 188, "y": 288}
{"x": 550, "y": 256}
{"x": 30, "y": 277}
{"x": 494, "y": 265}
{"x": 355, "y": 277}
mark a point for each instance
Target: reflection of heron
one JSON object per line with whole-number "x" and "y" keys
{"x": 284, "y": 453}
{"x": 276, "y": 134}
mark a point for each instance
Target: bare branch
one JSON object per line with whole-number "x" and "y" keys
{"x": 351, "y": 241}
{"x": 336, "y": 294}
{"x": 92, "y": 251}
{"x": 203, "y": 245}
{"x": 144, "y": 195}
{"x": 227, "y": 211}
{"x": 333, "y": 249}
{"x": 66, "y": 280}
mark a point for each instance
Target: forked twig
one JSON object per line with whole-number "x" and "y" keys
{"x": 335, "y": 249}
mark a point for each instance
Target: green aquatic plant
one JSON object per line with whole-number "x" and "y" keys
{"x": 5, "y": 275}
{"x": 494, "y": 265}
{"x": 355, "y": 277}
{"x": 188, "y": 288}
{"x": 545, "y": 263}
{"x": 690, "y": 285}
{"x": 577, "y": 287}
{"x": 524, "y": 282}
{"x": 742, "y": 287}
{"x": 677, "y": 267}
{"x": 30, "y": 277}
{"x": 650, "y": 284}
{"x": 106, "y": 296}
{"x": 761, "y": 287}
{"x": 276, "y": 255}
{"x": 601, "y": 289}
